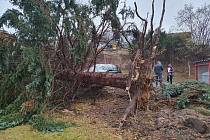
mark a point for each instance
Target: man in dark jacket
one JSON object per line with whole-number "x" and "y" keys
{"x": 158, "y": 69}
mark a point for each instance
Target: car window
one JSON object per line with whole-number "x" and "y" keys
{"x": 104, "y": 68}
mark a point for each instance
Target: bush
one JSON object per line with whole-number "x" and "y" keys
{"x": 172, "y": 90}
{"x": 188, "y": 90}
{"x": 182, "y": 102}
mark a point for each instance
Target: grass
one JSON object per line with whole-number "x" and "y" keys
{"x": 25, "y": 132}
{"x": 84, "y": 130}
{"x": 202, "y": 110}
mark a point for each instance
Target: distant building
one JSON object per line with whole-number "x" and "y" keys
{"x": 202, "y": 71}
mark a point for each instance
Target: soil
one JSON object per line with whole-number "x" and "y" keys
{"x": 161, "y": 122}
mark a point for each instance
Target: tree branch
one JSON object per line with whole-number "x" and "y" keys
{"x": 137, "y": 13}
{"x": 151, "y": 22}
{"x": 162, "y": 15}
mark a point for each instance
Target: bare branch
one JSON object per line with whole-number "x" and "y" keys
{"x": 104, "y": 47}
{"x": 145, "y": 25}
{"x": 162, "y": 15}
{"x": 137, "y": 13}
{"x": 158, "y": 30}
{"x": 123, "y": 34}
{"x": 151, "y": 22}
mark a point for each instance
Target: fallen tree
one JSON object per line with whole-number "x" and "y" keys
{"x": 65, "y": 42}
{"x": 88, "y": 78}
{"x": 139, "y": 81}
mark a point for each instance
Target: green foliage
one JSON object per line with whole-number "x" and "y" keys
{"x": 108, "y": 9}
{"x": 37, "y": 121}
{"x": 186, "y": 91}
{"x": 11, "y": 19}
{"x": 10, "y": 87}
{"x": 9, "y": 56}
{"x": 193, "y": 84}
{"x": 61, "y": 26}
{"x": 131, "y": 48}
{"x": 15, "y": 106}
{"x": 201, "y": 88}
{"x": 172, "y": 90}
{"x": 10, "y": 120}
{"x": 100, "y": 5}
{"x": 3, "y": 59}
{"x": 173, "y": 40}
{"x": 35, "y": 69}
{"x": 47, "y": 125}
{"x": 182, "y": 102}
{"x": 80, "y": 47}
{"x": 173, "y": 44}
{"x": 38, "y": 24}
{"x": 34, "y": 28}
{"x": 30, "y": 81}
{"x": 32, "y": 24}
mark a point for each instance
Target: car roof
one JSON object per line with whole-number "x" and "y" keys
{"x": 106, "y": 65}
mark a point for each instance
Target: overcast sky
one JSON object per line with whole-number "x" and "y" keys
{"x": 172, "y": 8}
{"x": 144, "y": 6}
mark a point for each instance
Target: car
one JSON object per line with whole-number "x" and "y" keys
{"x": 111, "y": 68}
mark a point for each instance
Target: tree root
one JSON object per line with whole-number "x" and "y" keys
{"x": 131, "y": 108}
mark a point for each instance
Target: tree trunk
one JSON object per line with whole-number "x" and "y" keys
{"x": 88, "y": 78}
{"x": 189, "y": 69}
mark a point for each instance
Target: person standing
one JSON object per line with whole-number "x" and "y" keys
{"x": 158, "y": 69}
{"x": 170, "y": 73}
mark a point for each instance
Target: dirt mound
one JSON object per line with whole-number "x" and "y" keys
{"x": 162, "y": 122}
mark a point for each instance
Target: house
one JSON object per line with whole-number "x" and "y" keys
{"x": 202, "y": 70}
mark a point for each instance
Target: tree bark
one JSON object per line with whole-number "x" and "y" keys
{"x": 118, "y": 80}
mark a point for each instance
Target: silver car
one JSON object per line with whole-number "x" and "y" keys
{"x": 105, "y": 68}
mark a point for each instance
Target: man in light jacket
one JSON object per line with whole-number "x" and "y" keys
{"x": 170, "y": 73}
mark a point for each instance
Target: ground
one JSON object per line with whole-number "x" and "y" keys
{"x": 161, "y": 122}
{"x": 99, "y": 118}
